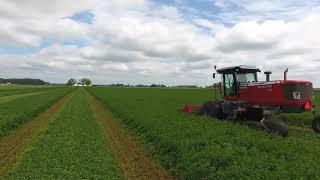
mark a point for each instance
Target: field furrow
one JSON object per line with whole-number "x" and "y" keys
{"x": 14, "y": 144}
{"x": 134, "y": 161}
{"x": 71, "y": 147}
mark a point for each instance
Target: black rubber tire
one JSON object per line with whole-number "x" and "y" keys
{"x": 316, "y": 124}
{"x": 212, "y": 109}
{"x": 276, "y": 125}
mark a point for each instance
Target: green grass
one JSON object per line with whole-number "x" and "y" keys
{"x": 5, "y": 99}
{"x": 18, "y": 86}
{"x": 72, "y": 147}
{"x": 196, "y": 147}
{"x": 16, "y": 90}
{"x": 17, "y": 111}
{"x": 21, "y": 89}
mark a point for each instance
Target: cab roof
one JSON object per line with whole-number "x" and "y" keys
{"x": 239, "y": 69}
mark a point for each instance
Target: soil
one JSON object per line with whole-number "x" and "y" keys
{"x": 134, "y": 161}
{"x": 13, "y": 145}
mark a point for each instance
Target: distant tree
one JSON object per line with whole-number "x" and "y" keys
{"x": 186, "y": 86}
{"x": 158, "y": 85}
{"x": 86, "y": 81}
{"x": 118, "y": 84}
{"x": 71, "y": 82}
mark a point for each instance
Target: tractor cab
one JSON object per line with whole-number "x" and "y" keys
{"x": 233, "y": 76}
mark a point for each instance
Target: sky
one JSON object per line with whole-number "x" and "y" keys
{"x": 172, "y": 42}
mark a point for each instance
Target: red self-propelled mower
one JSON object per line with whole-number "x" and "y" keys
{"x": 247, "y": 100}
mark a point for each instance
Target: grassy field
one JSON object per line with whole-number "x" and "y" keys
{"x": 17, "y": 109}
{"x": 138, "y": 133}
{"x": 21, "y": 89}
{"x": 72, "y": 136}
{"x": 198, "y": 147}
{"x": 72, "y": 147}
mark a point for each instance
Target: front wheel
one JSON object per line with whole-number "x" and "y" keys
{"x": 316, "y": 124}
{"x": 276, "y": 125}
{"x": 212, "y": 109}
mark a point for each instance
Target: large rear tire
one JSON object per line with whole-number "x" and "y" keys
{"x": 276, "y": 125}
{"x": 316, "y": 124}
{"x": 212, "y": 109}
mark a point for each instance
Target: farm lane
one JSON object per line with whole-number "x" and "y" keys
{"x": 13, "y": 145}
{"x": 134, "y": 161}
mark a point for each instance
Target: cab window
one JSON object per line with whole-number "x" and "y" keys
{"x": 246, "y": 77}
{"x": 229, "y": 85}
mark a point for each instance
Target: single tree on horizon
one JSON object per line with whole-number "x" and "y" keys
{"x": 86, "y": 81}
{"x": 71, "y": 82}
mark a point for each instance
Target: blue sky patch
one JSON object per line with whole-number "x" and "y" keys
{"x": 83, "y": 16}
{"x": 6, "y": 49}
{"x": 78, "y": 43}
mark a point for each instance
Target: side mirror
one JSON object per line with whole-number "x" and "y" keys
{"x": 214, "y": 75}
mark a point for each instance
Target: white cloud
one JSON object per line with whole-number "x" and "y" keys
{"x": 128, "y": 42}
{"x": 28, "y": 23}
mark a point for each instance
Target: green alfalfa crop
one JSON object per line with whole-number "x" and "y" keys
{"x": 196, "y": 147}
{"x": 71, "y": 147}
{"x": 18, "y": 111}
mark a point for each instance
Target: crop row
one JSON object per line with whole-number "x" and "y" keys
{"x": 17, "y": 111}
{"x": 195, "y": 147}
{"x": 71, "y": 147}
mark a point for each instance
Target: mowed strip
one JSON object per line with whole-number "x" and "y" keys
{"x": 14, "y": 144}
{"x": 71, "y": 147}
{"x": 11, "y": 92}
{"x": 9, "y": 98}
{"x": 21, "y": 110}
{"x": 134, "y": 161}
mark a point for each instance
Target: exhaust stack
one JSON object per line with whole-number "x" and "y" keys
{"x": 267, "y": 73}
{"x": 285, "y": 74}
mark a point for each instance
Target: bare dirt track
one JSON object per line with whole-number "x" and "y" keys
{"x": 13, "y": 145}
{"x": 132, "y": 158}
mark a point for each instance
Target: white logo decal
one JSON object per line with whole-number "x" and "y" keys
{"x": 296, "y": 95}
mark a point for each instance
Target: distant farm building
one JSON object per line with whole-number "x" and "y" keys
{"x": 80, "y": 84}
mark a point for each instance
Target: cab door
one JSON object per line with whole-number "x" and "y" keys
{"x": 230, "y": 90}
